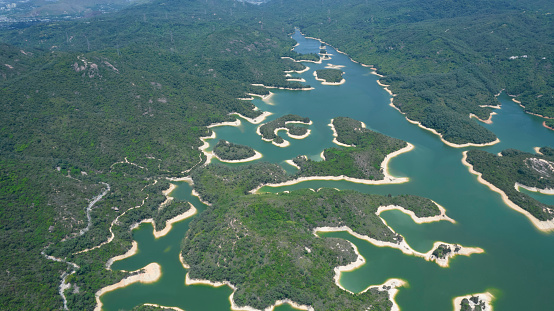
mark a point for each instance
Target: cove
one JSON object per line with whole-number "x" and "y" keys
{"x": 516, "y": 265}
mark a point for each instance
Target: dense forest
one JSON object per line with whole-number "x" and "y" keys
{"x": 116, "y": 102}
{"x": 260, "y": 243}
{"x": 329, "y": 75}
{"x": 362, "y": 161}
{"x": 514, "y": 166}
{"x": 289, "y": 122}
{"x": 118, "y": 99}
{"x": 442, "y": 59}
{"x": 228, "y": 151}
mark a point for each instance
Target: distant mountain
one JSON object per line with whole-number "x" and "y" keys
{"x": 44, "y": 10}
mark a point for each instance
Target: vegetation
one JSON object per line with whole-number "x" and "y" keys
{"x": 120, "y": 99}
{"x": 268, "y": 130}
{"x": 549, "y": 124}
{"x": 444, "y": 60}
{"x": 362, "y": 161}
{"x": 330, "y": 75}
{"x": 478, "y": 305}
{"x": 228, "y": 151}
{"x": 442, "y": 251}
{"x": 310, "y": 57}
{"x": 516, "y": 166}
{"x": 261, "y": 243}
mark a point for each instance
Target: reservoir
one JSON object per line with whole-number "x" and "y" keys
{"x": 516, "y": 266}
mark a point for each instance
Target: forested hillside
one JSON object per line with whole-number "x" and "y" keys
{"x": 107, "y": 107}
{"x": 443, "y": 59}
{"x": 118, "y": 100}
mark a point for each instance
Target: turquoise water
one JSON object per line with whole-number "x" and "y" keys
{"x": 516, "y": 266}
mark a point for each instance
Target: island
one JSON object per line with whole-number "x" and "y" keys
{"x": 229, "y": 152}
{"x": 289, "y": 122}
{"x": 361, "y": 161}
{"x": 511, "y": 170}
{"x": 259, "y": 244}
{"x": 474, "y": 302}
{"x": 329, "y": 76}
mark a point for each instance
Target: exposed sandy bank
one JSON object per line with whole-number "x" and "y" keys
{"x": 496, "y": 141}
{"x": 149, "y": 274}
{"x": 324, "y": 82}
{"x": 485, "y": 297}
{"x": 283, "y": 88}
{"x": 546, "y": 225}
{"x": 168, "y": 224}
{"x": 228, "y": 123}
{"x": 388, "y": 179}
{"x": 549, "y": 191}
{"x": 405, "y": 248}
{"x": 538, "y": 150}
{"x": 234, "y": 306}
{"x": 335, "y": 135}
{"x": 415, "y": 218}
{"x": 256, "y": 156}
{"x": 487, "y": 121}
{"x": 390, "y": 286}
{"x": 164, "y": 307}
{"x": 257, "y": 119}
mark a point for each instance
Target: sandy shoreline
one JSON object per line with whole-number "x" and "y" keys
{"x": 257, "y": 119}
{"x": 165, "y": 307}
{"x": 324, "y": 82}
{"x": 487, "y": 121}
{"x": 390, "y": 286}
{"x": 415, "y": 218}
{"x": 546, "y": 226}
{"x": 548, "y": 191}
{"x": 132, "y": 251}
{"x": 234, "y": 306}
{"x": 298, "y": 71}
{"x": 485, "y": 297}
{"x": 331, "y": 66}
{"x": 285, "y": 142}
{"x": 255, "y": 157}
{"x": 262, "y": 97}
{"x": 291, "y": 162}
{"x": 449, "y": 143}
{"x": 548, "y": 127}
{"x": 168, "y": 224}
{"x": 303, "y": 60}
{"x": 227, "y": 123}
{"x": 405, "y": 248}
{"x": 384, "y": 85}
{"x": 538, "y": 150}
{"x": 335, "y": 135}
{"x": 283, "y": 88}
{"x": 388, "y": 179}
{"x": 149, "y": 274}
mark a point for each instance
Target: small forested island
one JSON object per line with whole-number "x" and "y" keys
{"x": 308, "y": 57}
{"x": 514, "y": 169}
{"x": 474, "y": 302}
{"x": 289, "y": 122}
{"x": 443, "y": 250}
{"x": 225, "y": 150}
{"x": 329, "y": 76}
{"x": 362, "y": 161}
{"x": 264, "y": 244}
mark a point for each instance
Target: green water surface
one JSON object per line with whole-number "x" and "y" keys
{"x": 517, "y": 266}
